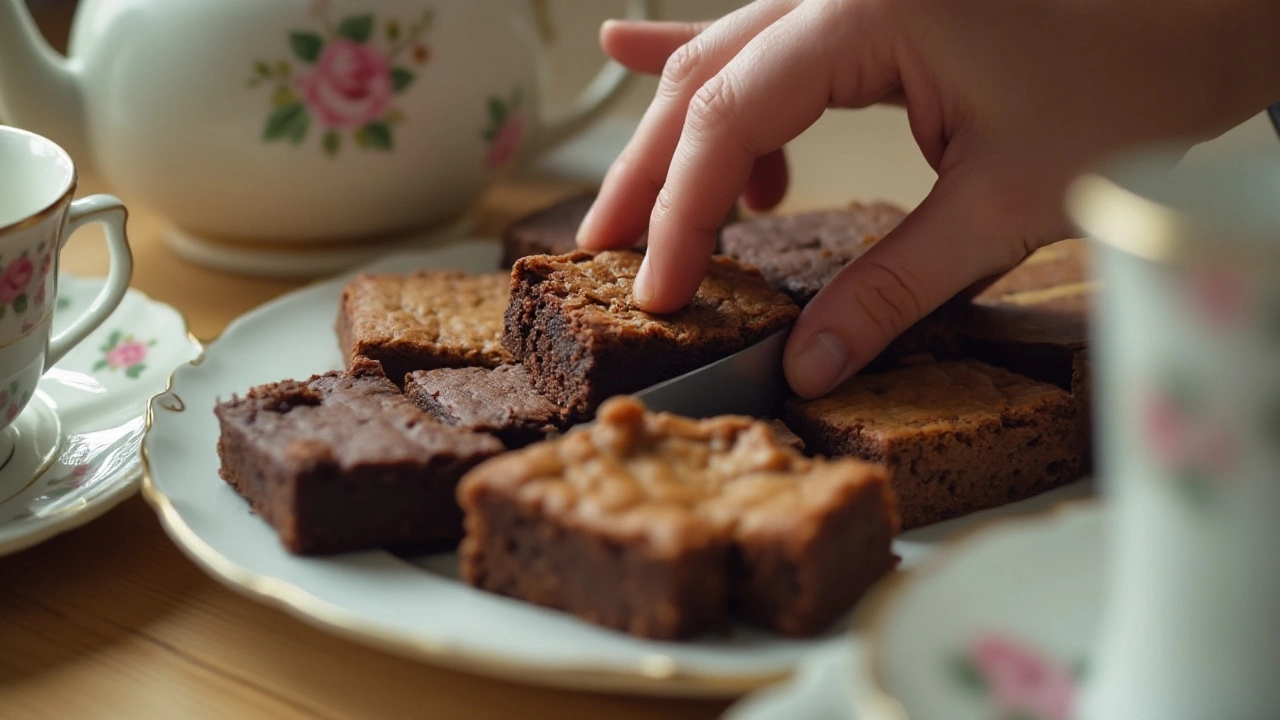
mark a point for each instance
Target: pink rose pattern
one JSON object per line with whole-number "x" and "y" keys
{"x": 23, "y": 282}
{"x": 506, "y": 131}
{"x": 347, "y": 81}
{"x": 12, "y": 400}
{"x": 1020, "y": 683}
{"x": 123, "y": 353}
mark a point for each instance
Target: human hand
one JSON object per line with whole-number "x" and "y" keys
{"x": 1006, "y": 99}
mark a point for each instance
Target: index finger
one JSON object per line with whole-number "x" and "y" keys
{"x": 773, "y": 90}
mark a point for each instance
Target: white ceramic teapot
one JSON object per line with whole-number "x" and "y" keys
{"x": 292, "y": 123}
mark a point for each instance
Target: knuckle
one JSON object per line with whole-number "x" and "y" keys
{"x": 682, "y": 66}
{"x": 891, "y": 298}
{"x": 712, "y": 106}
{"x": 662, "y": 204}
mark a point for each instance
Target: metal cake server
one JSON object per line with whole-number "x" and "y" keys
{"x": 749, "y": 382}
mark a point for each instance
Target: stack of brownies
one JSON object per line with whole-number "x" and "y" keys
{"x": 454, "y": 420}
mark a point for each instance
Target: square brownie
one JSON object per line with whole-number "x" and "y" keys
{"x": 554, "y": 230}
{"x": 664, "y": 527}
{"x": 958, "y": 436}
{"x": 1034, "y": 319}
{"x": 571, "y": 322}
{"x": 800, "y": 253}
{"x": 423, "y": 320}
{"x": 343, "y": 461}
{"x": 500, "y": 400}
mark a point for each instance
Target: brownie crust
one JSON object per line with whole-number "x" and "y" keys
{"x": 554, "y": 229}
{"x": 572, "y": 324}
{"x": 343, "y": 462}
{"x": 501, "y": 401}
{"x": 424, "y": 320}
{"x": 800, "y": 253}
{"x": 957, "y": 436}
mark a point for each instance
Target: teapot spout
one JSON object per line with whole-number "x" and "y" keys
{"x": 39, "y": 90}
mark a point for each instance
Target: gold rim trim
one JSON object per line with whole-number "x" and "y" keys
{"x": 655, "y": 675}
{"x": 1120, "y": 218}
{"x": 61, "y": 201}
{"x": 34, "y": 327}
{"x": 875, "y": 702}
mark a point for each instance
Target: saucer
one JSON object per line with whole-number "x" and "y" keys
{"x": 76, "y": 442}
{"x": 996, "y": 626}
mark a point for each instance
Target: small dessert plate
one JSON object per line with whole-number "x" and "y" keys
{"x": 78, "y": 438}
{"x": 996, "y": 626}
{"x": 416, "y": 606}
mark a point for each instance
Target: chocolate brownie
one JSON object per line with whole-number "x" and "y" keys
{"x": 664, "y": 526}
{"x": 571, "y": 322}
{"x": 1034, "y": 319}
{"x": 800, "y": 253}
{"x": 344, "y": 462}
{"x": 498, "y": 400}
{"x": 553, "y": 230}
{"x": 958, "y": 436}
{"x": 423, "y": 320}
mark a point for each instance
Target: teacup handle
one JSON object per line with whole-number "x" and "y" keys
{"x": 593, "y": 100}
{"x": 111, "y": 213}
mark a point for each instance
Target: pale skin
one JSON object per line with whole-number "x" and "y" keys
{"x": 1007, "y": 100}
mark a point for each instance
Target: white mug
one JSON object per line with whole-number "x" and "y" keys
{"x": 37, "y": 216}
{"x": 294, "y": 124}
{"x": 1187, "y": 379}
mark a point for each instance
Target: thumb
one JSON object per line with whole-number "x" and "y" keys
{"x": 950, "y": 241}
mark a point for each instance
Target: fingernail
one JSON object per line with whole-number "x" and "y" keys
{"x": 819, "y": 365}
{"x": 585, "y": 228}
{"x": 642, "y": 290}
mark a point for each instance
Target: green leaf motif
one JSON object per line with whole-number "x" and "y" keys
{"x": 113, "y": 340}
{"x": 20, "y": 303}
{"x": 63, "y": 303}
{"x": 393, "y": 30}
{"x": 134, "y": 371}
{"x": 332, "y": 143}
{"x": 287, "y": 121}
{"x": 497, "y": 111}
{"x": 306, "y": 46}
{"x": 100, "y": 365}
{"x": 261, "y": 68}
{"x": 967, "y": 675}
{"x": 1196, "y": 487}
{"x": 356, "y": 27}
{"x": 375, "y": 135}
{"x": 401, "y": 78}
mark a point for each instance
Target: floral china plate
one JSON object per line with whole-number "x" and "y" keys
{"x": 412, "y": 605}
{"x": 98, "y": 393}
{"x": 996, "y": 626}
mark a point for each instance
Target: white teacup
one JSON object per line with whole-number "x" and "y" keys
{"x": 267, "y": 129}
{"x": 37, "y": 216}
{"x": 1187, "y": 357}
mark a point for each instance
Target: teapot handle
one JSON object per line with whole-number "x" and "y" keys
{"x": 594, "y": 99}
